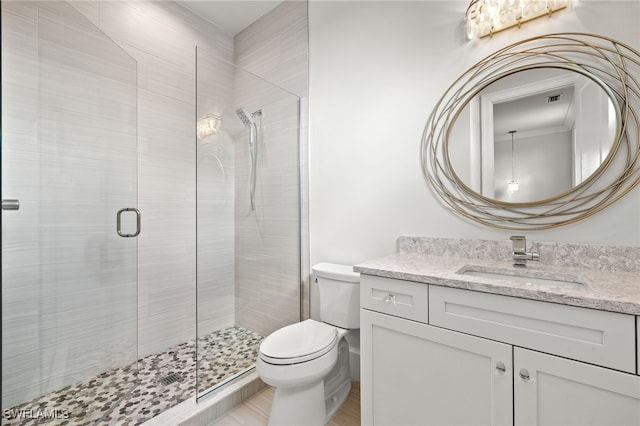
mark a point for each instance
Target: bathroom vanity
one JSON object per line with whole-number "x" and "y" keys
{"x": 465, "y": 332}
{"x": 439, "y": 346}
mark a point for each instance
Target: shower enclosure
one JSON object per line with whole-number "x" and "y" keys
{"x": 248, "y": 216}
{"x": 69, "y": 265}
{"x": 70, "y": 297}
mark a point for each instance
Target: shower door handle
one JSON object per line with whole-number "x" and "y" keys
{"x": 119, "y": 222}
{"x": 8, "y": 204}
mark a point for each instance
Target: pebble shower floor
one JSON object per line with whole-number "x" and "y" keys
{"x": 162, "y": 381}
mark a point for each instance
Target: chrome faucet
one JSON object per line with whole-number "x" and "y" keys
{"x": 519, "y": 254}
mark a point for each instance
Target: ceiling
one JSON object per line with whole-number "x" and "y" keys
{"x": 231, "y": 15}
{"x": 530, "y": 114}
{"x": 533, "y": 102}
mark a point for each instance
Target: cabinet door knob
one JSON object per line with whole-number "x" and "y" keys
{"x": 524, "y": 375}
{"x": 501, "y": 367}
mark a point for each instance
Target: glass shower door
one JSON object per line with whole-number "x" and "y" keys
{"x": 69, "y": 262}
{"x": 247, "y": 217}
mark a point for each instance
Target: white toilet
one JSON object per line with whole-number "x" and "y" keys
{"x": 308, "y": 362}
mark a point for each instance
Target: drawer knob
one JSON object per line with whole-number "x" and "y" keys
{"x": 501, "y": 367}
{"x": 391, "y": 298}
{"x": 524, "y": 375}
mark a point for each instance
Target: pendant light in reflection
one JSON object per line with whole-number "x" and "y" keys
{"x": 513, "y": 184}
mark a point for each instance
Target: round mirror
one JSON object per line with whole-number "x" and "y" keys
{"x": 542, "y": 133}
{"x": 533, "y": 135}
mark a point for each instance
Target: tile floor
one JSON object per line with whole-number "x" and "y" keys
{"x": 155, "y": 388}
{"x": 255, "y": 411}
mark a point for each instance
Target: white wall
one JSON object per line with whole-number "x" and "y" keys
{"x": 376, "y": 71}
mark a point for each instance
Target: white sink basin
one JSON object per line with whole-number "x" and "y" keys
{"x": 552, "y": 279}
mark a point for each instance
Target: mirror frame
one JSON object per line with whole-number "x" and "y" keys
{"x": 613, "y": 65}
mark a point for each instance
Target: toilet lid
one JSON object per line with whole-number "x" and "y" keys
{"x": 298, "y": 342}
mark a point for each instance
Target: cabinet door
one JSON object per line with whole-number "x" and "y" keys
{"x": 556, "y": 391}
{"x": 416, "y": 374}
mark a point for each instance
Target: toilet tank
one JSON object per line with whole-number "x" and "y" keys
{"x": 339, "y": 289}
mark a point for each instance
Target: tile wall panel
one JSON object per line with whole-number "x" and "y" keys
{"x": 276, "y": 47}
{"x": 267, "y": 241}
{"x": 268, "y": 254}
{"x": 19, "y": 77}
{"x": 215, "y": 193}
{"x": 69, "y": 293}
{"x": 162, "y": 37}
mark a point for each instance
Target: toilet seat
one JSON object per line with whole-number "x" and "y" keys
{"x": 297, "y": 343}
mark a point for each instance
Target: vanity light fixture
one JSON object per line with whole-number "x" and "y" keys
{"x": 513, "y": 184}
{"x": 209, "y": 125}
{"x": 487, "y": 17}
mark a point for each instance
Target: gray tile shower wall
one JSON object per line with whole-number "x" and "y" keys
{"x": 268, "y": 240}
{"x": 276, "y": 47}
{"x": 162, "y": 37}
{"x": 68, "y": 292}
{"x": 215, "y": 196}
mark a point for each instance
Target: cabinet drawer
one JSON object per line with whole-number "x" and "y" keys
{"x": 403, "y": 299}
{"x": 597, "y": 337}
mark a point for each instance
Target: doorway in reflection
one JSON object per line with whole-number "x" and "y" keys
{"x": 566, "y": 124}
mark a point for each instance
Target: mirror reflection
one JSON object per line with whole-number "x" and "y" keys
{"x": 532, "y": 135}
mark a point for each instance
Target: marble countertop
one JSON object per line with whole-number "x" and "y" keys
{"x": 615, "y": 291}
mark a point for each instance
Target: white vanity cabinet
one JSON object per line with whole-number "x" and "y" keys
{"x": 415, "y": 374}
{"x": 549, "y": 390}
{"x": 484, "y": 359}
{"x": 597, "y": 337}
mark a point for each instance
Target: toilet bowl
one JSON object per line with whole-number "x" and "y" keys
{"x": 301, "y": 374}
{"x": 308, "y": 362}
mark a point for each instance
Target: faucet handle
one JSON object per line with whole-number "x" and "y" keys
{"x": 519, "y": 243}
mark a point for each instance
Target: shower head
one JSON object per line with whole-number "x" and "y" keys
{"x": 247, "y": 119}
